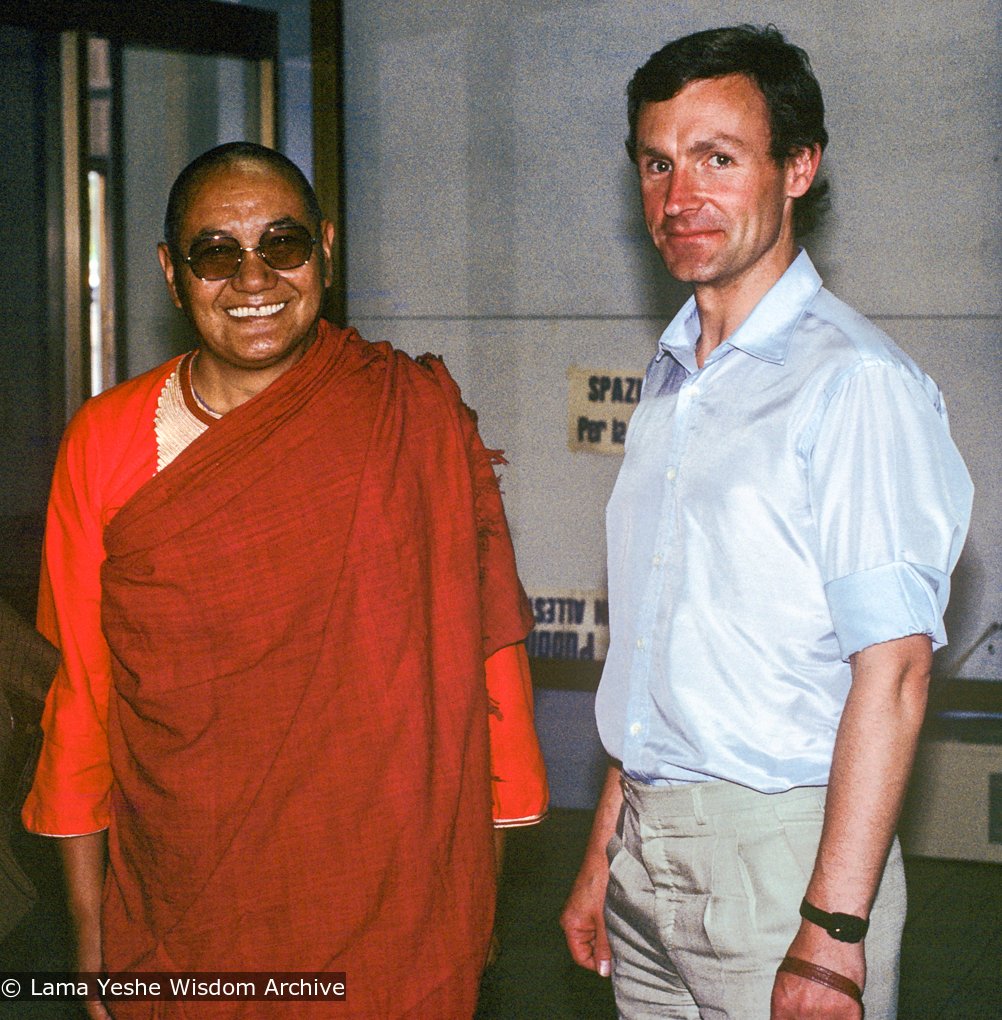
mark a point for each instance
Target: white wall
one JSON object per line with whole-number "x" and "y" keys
{"x": 491, "y": 217}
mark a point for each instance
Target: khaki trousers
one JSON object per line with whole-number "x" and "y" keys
{"x": 705, "y": 884}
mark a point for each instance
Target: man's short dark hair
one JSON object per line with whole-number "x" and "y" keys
{"x": 224, "y": 156}
{"x": 782, "y": 72}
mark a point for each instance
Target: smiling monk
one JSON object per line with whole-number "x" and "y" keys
{"x": 280, "y": 575}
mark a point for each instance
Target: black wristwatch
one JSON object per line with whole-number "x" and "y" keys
{"x": 844, "y": 927}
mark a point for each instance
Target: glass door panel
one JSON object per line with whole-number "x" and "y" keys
{"x": 174, "y": 106}
{"x": 31, "y": 334}
{"x": 102, "y": 107}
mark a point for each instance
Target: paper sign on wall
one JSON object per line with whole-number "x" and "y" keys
{"x": 600, "y": 403}
{"x": 569, "y": 624}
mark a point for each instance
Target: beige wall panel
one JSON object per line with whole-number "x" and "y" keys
{"x": 492, "y": 214}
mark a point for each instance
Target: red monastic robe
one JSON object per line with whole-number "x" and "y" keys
{"x": 298, "y": 610}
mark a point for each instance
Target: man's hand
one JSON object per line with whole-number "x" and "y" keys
{"x": 583, "y": 920}
{"x": 794, "y": 997}
{"x": 583, "y": 917}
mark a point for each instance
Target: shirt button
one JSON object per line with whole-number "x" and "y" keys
{"x": 670, "y": 474}
{"x": 657, "y": 561}
{"x": 634, "y": 729}
{"x": 640, "y": 642}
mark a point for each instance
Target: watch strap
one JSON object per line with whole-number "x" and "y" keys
{"x": 844, "y": 927}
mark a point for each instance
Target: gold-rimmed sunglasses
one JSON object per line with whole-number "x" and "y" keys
{"x": 220, "y": 256}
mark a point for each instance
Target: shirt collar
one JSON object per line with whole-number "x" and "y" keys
{"x": 765, "y": 334}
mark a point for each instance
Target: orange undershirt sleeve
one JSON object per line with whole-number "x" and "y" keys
{"x": 519, "y": 790}
{"x": 72, "y": 783}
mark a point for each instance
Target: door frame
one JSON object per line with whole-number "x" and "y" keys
{"x": 189, "y": 26}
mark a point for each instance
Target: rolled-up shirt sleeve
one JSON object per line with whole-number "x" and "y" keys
{"x": 891, "y": 498}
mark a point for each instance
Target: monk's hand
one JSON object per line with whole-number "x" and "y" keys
{"x": 96, "y": 1010}
{"x": 88, "y": 959}
{"x": 795, "y": 997}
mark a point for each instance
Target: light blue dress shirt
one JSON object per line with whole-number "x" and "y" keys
{"x": 795, "y": 500}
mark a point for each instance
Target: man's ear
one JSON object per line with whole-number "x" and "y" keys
{"x": 327, "y": 239}
{"x": 167, "y": 265}
{"x": 801, "y": 168}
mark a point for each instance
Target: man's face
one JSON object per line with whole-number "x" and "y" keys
{"x": 717, "y": 205}
{"x": 260, "y": 320}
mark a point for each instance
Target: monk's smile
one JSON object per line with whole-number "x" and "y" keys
{"x": 255, "y": 311}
